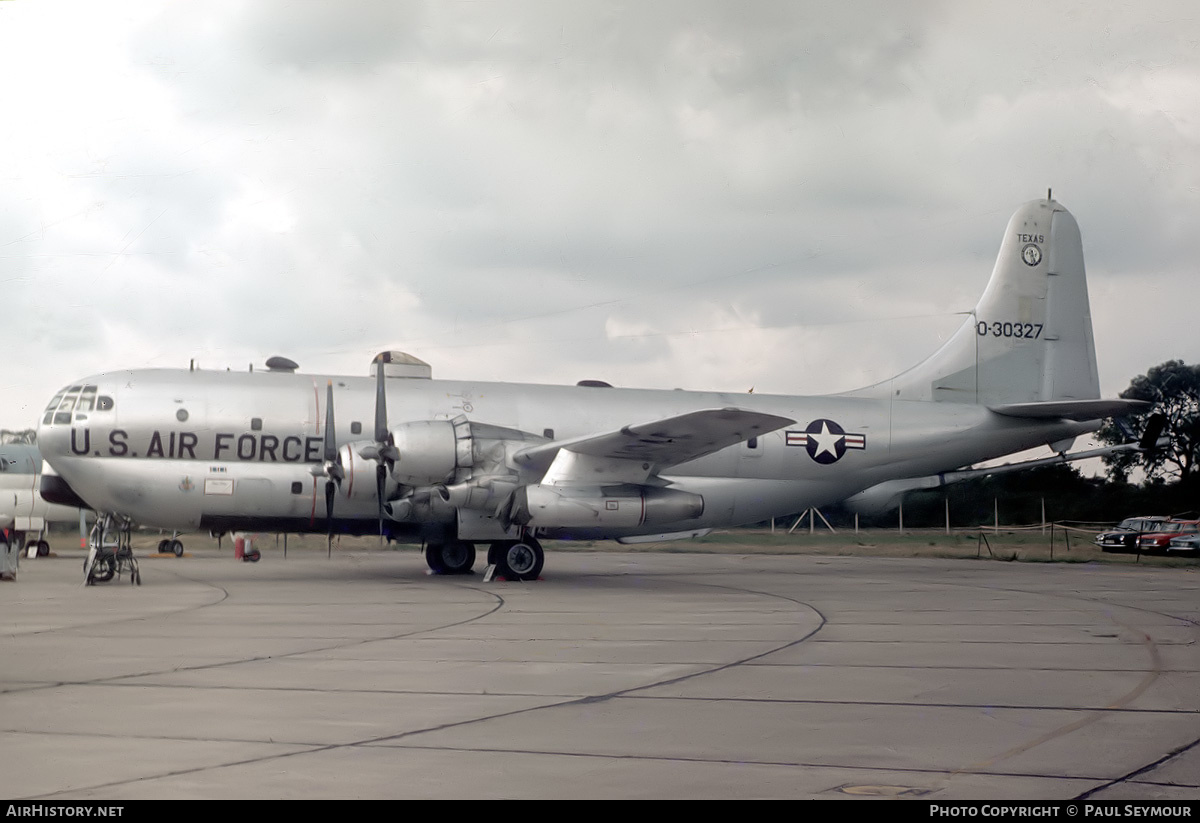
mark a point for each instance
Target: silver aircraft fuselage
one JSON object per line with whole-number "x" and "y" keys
{"x": 239, "y": 451}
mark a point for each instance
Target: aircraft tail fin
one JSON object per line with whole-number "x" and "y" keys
{"x": 1030, "y": 338}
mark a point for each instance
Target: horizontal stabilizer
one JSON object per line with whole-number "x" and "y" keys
{"x": 888, "y": 494}
{"x": 661, "y": 443}
{"x": 1072, "y": 409}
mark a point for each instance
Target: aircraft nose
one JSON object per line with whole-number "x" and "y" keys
{"x": 72, "y": 405}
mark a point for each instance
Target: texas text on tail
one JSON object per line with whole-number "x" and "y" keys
{"x": 454, "y": 464}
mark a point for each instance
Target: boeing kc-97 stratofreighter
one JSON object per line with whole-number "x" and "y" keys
{"x": 454, "y": 464}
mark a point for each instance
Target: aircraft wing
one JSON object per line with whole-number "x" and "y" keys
{"x": 1072, "y": 409}
{"x": 655, "y": 445}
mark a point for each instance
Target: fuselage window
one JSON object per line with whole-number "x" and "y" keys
{"x": 297, "y": 488}
{"x": 356, "y": 427}
{"x": 256, "y": 424}
{"x": 181, "y": 415}
{"x": 548, "y": 434}
{"x": 752, "y": 443}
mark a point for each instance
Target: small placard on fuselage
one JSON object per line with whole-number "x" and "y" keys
{"x": 218, "y": 486}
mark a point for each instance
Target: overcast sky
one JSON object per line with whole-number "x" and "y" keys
{"x": 796, "y": 197}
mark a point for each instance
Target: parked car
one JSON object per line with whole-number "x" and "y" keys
{"x": 1125, "y": 536}
{"x": 1158, "y": 541}
{"x": 1188, "y": 543}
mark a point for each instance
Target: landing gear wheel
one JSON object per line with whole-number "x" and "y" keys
{"x": 177, "y": 548}
{"x": 433, "y": 558}
{"x": 451, "y": 557}
{"x": 102, "y": 570}
{"x": 518, "y": 560}
{"x": 458, "y": 556}
{"x": 163, "y": 545}
{"x": 43, "y": 548}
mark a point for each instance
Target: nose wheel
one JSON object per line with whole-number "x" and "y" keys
{"x": 517, "y": 559}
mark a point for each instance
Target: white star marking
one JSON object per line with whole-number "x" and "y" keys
{"x": 826, "y": 441}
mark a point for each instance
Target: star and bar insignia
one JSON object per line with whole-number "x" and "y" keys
{"x": 825, "y": 440}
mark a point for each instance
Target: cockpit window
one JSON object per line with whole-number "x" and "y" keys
{"x": 87, "y": 399}
{"x": 65, "y": 407}
{"x": 50, "y": 409}
{"x": 76, "y": 402}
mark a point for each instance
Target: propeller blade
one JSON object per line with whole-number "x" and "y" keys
{"x": 381, "y": 427}
{"x": 384, "y": 441}
{"x": 380, "y": 479}
{"x": 330, "y": 486}
{"x": 330, "y": 433}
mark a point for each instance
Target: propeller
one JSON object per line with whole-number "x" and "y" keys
{"x": 383, "y": 451}
{"x": 331, "y": 468}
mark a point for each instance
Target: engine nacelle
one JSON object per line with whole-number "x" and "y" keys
{"x": 622, "y": 506}
{"x": 431, "y": 451}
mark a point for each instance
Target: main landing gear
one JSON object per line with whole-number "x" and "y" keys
{"x": 451, "y": 557}
{"x": 517, "y": 559}
{"x": 514, "y": 559}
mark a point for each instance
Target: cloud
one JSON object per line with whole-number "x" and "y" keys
{"x": 671, "y": 194}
